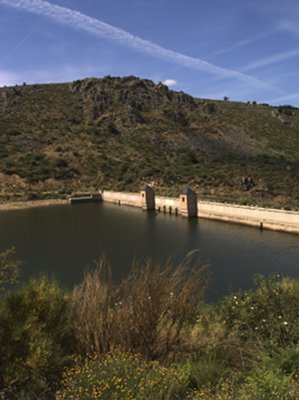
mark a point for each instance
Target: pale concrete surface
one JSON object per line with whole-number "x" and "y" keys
{"x": 287, "y": 221}
{"x": 266, "y": 218}
{"x": 125, "y": 198}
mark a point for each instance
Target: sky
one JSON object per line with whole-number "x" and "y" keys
{"x": 247, "y": 50}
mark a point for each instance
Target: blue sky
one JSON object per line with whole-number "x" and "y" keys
{"x": 244, "y": 49}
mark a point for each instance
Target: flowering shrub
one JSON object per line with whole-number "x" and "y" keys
{"x": 260, "y": 385}
{"x": 120, "y": 376}
{"x": 269, "y": 315}
{"x": 264, "y": 384}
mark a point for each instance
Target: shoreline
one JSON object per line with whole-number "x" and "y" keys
{"x": 263, "y": 218}
{"x": 22, "y": 205}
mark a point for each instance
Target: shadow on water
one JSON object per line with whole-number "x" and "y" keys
{"x": 63, "y": 240}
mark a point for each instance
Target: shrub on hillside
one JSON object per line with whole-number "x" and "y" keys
{"x": 121, "y": 376}
{"x": 207, "y": 370}
{"x": 266, "y": 385}
{"x": 35, "y": 339}
{"x": 268, "y": 315}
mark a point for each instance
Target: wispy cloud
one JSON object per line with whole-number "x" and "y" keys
{"x": 291, "y": 27}
{"x": 271, "y": 60}
{"x": 245, "y": 42}
{"x": 228, "y": 49}
{"x": 170, "y": 82}
{"x": 81, "y": 21}
{"x": 18, "y": 45}
{"x": 284, "y": 99}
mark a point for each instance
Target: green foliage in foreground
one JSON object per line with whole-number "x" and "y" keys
{"x": 92, "y": 343}
{"x": 268, "y": 314}
{"x": 122, "y": 376}
{"x": 35, "y": 337}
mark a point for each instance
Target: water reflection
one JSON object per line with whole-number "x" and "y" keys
{"x": 62, "y": 240}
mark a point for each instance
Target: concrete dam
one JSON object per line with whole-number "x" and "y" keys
{"x": 189, "y": 206}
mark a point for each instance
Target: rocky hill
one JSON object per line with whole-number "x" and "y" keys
{"x": 118, "y": 133}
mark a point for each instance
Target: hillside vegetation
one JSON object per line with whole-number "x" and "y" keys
{"x": 117, "y": 133}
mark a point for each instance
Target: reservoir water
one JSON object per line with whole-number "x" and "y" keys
{"x": 62, "y": 240}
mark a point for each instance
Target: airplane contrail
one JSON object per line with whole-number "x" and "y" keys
{"x": 272, "y": 59}
{"x": 244, "y": 42}
{"x": 18, "y": 45}
{"x": 79, "y": 20}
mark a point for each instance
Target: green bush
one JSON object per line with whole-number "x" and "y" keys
{"x": 207, "y": 370}
{"x": 260, "y": 385}
{"x": 224, "y": 390}
{"x": 35, "y": 339}
{"x": 287, "y": 360}
{"x": 33, "y": 195}
{"x": 121, "y": 376}
{"x": 265, "y": 384}
{"x": 268, "y": 315}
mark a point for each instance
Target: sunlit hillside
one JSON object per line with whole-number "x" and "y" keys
{"x": 118, "y": 133}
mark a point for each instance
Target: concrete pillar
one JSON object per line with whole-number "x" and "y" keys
{"x": 188, "y": 203}
{"x": 147, "y": 195}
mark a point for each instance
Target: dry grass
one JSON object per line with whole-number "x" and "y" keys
{"x": 145, "y": 313}
{"x": 94, "y": 303}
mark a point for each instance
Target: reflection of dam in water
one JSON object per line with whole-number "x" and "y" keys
{"x": 62, "y": 240}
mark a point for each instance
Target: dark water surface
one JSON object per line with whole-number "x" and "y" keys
{"x": 62, "y": 240}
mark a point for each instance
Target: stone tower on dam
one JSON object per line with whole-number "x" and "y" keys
{"x": 188, "y": 203}
{"x": 147, "y": 195}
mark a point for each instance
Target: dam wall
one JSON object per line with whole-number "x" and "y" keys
{"x": 167, "y": 204}
{"x": 280, "y": 220}
{"x": 262, "y": 218}
{"x": 121, "y": 198}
